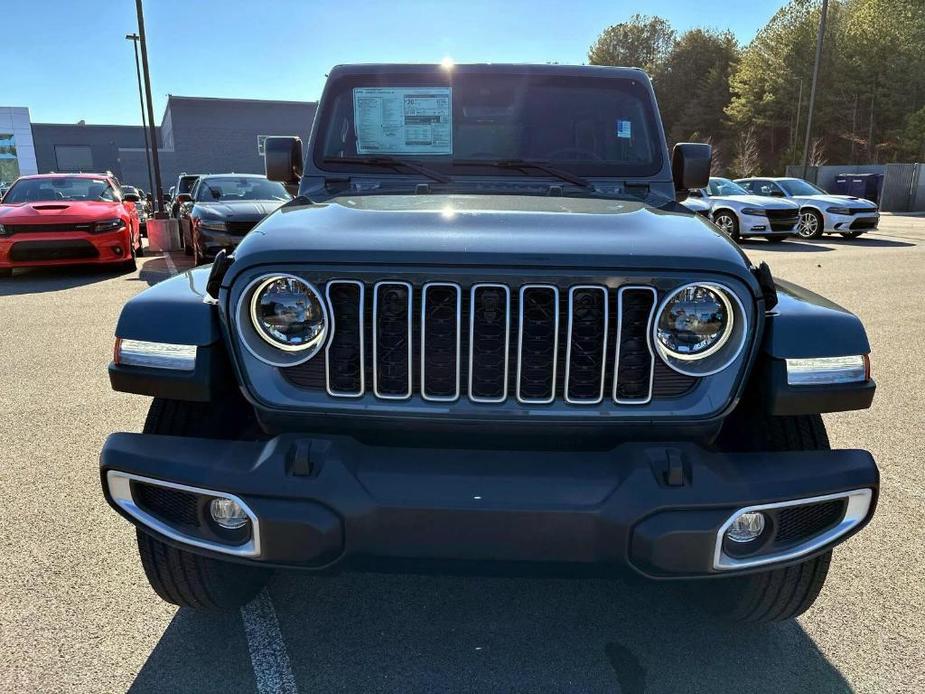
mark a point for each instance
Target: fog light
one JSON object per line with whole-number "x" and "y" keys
{"x": 227, "y": 513}
{"x": 745, "y": 528}
{"x": 118, "y": 250}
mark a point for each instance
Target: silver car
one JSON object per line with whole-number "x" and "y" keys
{"x": 741, "y": 215}
{"x": 820, "y": 212}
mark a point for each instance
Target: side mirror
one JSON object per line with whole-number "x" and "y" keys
{"x": 131, "y": 197}
{"x": 184, "y": 197}
{"x": 690, "y": 165}
{"x": 283, "y": 159}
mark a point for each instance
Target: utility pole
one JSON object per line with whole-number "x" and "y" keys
{"x": 134, "y": 38}
{"x": 159, "y": 212}
{"x": 812, "y": 90}
{"x": 796, "y": 127}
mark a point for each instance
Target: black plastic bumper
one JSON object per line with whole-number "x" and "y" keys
{"x": 655, "y": 507}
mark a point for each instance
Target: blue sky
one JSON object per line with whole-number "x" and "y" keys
{"x": 67, "y": 60}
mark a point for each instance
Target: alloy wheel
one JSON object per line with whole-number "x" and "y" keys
{"x": 809, "y": 225}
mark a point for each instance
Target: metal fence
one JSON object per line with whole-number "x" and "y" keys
{"x": 903, "y": 184}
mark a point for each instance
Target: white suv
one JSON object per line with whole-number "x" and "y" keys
{"x": 820, "y": 212}
{"x": 740, "y": 214}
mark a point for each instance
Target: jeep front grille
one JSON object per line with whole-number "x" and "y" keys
{"x": 488, "y": 342}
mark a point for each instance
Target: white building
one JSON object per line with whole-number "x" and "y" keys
{"x": 17, "y": 149}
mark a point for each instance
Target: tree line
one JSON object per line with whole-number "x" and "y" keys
{"x": 751, "y": 102}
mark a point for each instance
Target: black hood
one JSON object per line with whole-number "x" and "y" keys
{"x": 240, "y": 210}
{"x": 495, "y": 230}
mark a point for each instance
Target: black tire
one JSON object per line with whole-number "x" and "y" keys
{"x": 187, "y": 245}
{"x": 777, "y": 239}
{"x": 184, "y": 578}
{"x": 851, "y": 234}
{"x": 191, "y": 580}
{"x": 6, "y": 272}
{"x": 778, "y": 594}
{"x": 131, "y": 264}
{"x": 728, "y": 223}
{"x": 811, "y": 224}
{"x": 197, "y": 256}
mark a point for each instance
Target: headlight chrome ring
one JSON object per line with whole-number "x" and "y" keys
{"x": 716, "y": 356}
{"x": 257, "y": 333}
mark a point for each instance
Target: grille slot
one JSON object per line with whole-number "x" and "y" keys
{"x": 634, "y": 360}
{"x": 441, "y": 328}
{"x": 537, "y": 343}
{"x": 586, "y": 351}
{"x": 798, "y": 523}
{"x": 77, "y": 249}
{"x": 344, "y": 360}
{"x": 35, "y": 228}
{"x": 392, "y": 340}
{"x": 489, "y": 342}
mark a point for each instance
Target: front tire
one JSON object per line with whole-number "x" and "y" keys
{"x": 728, "y": 223}
{"x": 811, "y": 224}
{"x": 178, "y": 576}
{"x": 778, "y": 594}
{"x": 191, "y": 580}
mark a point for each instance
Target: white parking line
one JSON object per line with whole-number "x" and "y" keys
{"x": 272, "y": 668}
{"x": 169, "y": 261}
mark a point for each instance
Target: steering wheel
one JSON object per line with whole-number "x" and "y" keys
{"x": 582, "y": 154}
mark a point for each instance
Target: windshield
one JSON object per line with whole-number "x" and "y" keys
{"x": 60, "y": 188}
{"x": 226, "y": 189}
{"x": 723, "y": 186}
{"x": 587, "y": 125}
{"x": 797, "y": 186}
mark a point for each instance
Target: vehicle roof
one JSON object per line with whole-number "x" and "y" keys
{"x": 488, "y": 68}
{"x": 233, "y": 175}
{"x": 769, "y": 178}
{"x": 68, "y": 175}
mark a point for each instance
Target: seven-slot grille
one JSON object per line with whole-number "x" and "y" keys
{"x": 488, "y": 342}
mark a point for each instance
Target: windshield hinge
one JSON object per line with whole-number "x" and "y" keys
{"x": 422, "y": 189}
{"x": 554, "y": 190}
{"x": 637, "y": 189}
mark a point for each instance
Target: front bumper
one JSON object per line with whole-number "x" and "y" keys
{"x": 36, "y": 249}
{"x": 317, "y": 501}
{"x": 862, "y": 221}
{"x": 762, "y": 226}
{"x": 212, "y": 241}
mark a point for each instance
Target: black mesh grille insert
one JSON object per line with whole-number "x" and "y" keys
{"x": 345, "y": 354}
{"x": 539, "y": 328}
{"x": 491, "y": 307}
{"x": 797, "y": 523}
{"x": 440, "y": 328}
{"x": 24, "y": 251}
{"x": 34, "y": 228}
{"x": 587, "y": 343}
{"x": 170, "y": 505}
{"x": 239, "y": 228}
{"x": 634, "y": 366}
{"x": 392, "y": 332}
{"x": 864, "y": 223}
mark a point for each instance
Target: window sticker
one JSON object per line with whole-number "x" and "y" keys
{"x": 624, "y": 129}
{"x": 403, "y": 120}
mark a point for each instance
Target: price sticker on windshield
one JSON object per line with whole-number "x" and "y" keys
{"x": 403, "y": 120}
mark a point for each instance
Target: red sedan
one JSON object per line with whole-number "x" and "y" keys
{"x": 61, "y": 219}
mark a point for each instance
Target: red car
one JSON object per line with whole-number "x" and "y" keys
{"x": 61, "y": 219}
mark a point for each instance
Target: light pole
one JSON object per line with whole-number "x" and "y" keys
{"x": 134, "y": 38}
{"x": 159, "y": 212}
{"x": 812, "y": 91}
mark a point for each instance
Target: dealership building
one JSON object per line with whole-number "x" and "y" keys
{"x": 196, "y": 135}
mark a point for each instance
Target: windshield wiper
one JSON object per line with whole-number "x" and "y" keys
{"x": 524, "y": 164}
{"x": 391, "y": 163}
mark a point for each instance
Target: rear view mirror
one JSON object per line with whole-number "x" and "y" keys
{"x": 690, "y": 165}
{"x": 283, "y": 159}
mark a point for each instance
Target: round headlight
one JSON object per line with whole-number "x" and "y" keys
{"x": 289, "y": 313}
{"x": 695, "y": 322}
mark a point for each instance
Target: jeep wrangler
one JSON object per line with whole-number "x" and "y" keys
{"x": 485, "y": 332}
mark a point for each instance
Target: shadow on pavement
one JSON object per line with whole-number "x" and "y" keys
{"x": 871, "y": 241}
{"x": 38, "y": 280}
{"x": 788, "y": 246}
{"x": 199, "y": 652}
{"x": 400, "y": 633}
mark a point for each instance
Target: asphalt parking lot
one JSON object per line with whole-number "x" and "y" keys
{"x": 76, "y": 613}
